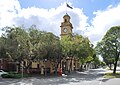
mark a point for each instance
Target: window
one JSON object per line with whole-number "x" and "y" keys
{"x": 65, "y": 20}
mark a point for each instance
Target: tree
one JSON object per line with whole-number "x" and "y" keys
{"x": 96, "y": 61}
{"x": 79, "y": 47}
{"x": 2, "y": 48}
{"x": 52, "y": 47}
{"x": 108, "y": 56}
{"x": 35, "y": 45}
{"x": 31, "y": 45}
{"x": 84, "y": 49}
{"x": 109, "y": 47}
{"x": 67, "y": 50}
{"x": 16, "y": 43}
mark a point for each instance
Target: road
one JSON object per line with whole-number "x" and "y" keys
{"x": 91, "y": 77}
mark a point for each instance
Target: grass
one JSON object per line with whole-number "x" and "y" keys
{"x": 112, "y": 75}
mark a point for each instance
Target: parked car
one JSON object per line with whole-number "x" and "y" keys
{"x": 2, "y": 72}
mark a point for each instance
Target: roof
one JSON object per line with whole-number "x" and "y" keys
{"x": 66, "y": 15}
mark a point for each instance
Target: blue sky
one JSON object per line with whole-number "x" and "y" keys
{"x": 91, "y": 18}
{"x": 89, "y": 6}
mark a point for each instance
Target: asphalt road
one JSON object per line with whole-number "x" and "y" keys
{"x": 91, "y": 77}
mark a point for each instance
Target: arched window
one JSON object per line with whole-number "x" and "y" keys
{"x": 65, "y": 20}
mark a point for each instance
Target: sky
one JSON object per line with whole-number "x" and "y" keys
{"x": 90, "y": 18}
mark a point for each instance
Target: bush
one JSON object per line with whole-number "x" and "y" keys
{"x": 13, "y": 75}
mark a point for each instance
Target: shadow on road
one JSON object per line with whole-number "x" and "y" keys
{"x": 75, "y": 77}
{"x": 104, "y": 80}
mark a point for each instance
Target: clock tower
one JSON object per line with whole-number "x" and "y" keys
{"x": 66, "y": 26}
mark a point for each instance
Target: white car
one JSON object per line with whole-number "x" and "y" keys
{"x": 2, "y": 72}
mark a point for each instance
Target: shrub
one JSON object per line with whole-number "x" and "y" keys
{"x": 13, "y": 75}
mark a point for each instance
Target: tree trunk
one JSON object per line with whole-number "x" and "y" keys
{"x": 56, "y": 67}
{"x": 28, "y": 70}
{"x": 58, "y": 62}
{"x": 17, "y": 69}
{"x": 70, "y": 65}
{"x": 115, "y": 64}
{"x": 81, "y": 67}
{"x": 110, "y": 66}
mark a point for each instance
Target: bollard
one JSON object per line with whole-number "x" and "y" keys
{"x": 60, "y": 71}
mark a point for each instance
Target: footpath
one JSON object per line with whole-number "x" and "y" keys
{"x": 110, "y": 81}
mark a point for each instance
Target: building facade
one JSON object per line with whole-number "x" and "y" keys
{"x": 7, "y": 65}
{"x": 66, "y": 26}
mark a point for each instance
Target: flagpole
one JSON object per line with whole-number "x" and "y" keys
{"x": 66, "y": 6}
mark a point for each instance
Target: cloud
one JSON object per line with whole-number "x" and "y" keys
{"x": 103, "y": 20}
{"x": 8, "y": 10}
{"x": 45, "y": 19}
{"x": 49, "y": 20}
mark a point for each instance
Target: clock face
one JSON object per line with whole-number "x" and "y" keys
{"x": 65, "y": 30}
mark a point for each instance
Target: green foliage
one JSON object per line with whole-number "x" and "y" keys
{"x": 109, "y": 47}
{"x": 84, "y": 49}
{"x": 96, "y": 60}
{"x": 102, "y": 63}
{"x": 14, "y": 75}
{"x": 11, "y": 76}
{"x": 67, "y": 46}
{"x": 79, "y": 47}
{"x": 32, "y": 45}
{"x": 35, "y": 45}
{"x": 44, "y": 45}
{"x": 13, "y": 37}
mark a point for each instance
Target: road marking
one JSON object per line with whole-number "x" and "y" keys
{"x": 100, "y": 82}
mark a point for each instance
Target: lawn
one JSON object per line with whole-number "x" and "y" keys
{"x": 112, "y": 75}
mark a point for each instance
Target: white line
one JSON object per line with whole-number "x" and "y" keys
{"x": 100, "y": 82}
